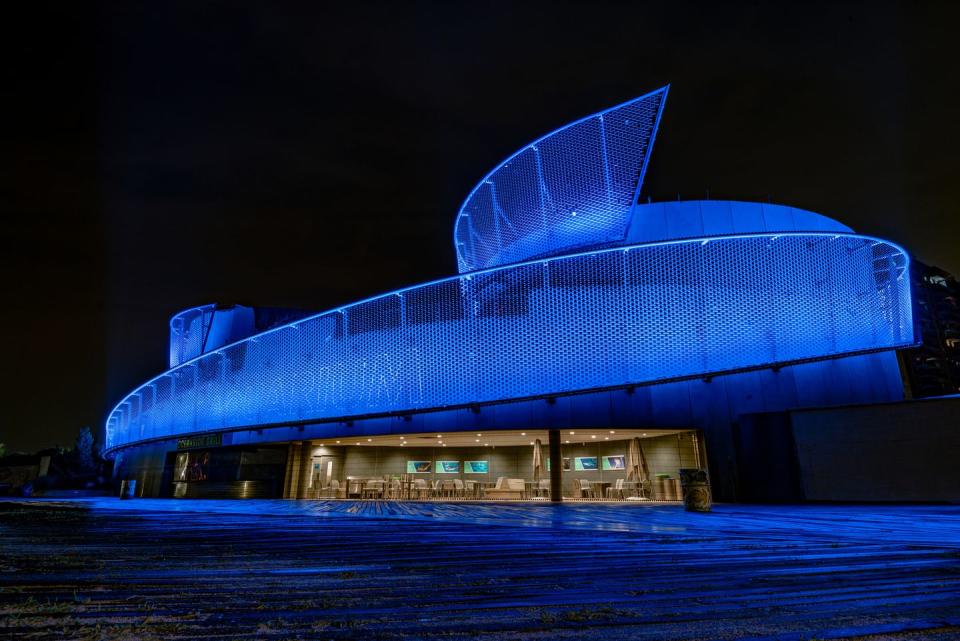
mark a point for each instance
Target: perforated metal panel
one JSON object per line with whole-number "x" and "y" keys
{"x": 572, "y": 188}
{"x": 188, "y": 329}
{"x": 621, "y": 316}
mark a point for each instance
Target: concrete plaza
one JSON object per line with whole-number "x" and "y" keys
{"x": 169, "y": 569}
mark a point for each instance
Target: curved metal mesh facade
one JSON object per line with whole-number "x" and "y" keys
{"x": 620, "y": 316}
{"x": 571, "y": 188}
{"x": 187, "y": 332}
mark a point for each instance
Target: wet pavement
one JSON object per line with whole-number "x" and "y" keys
{"x": 179, "y": 569}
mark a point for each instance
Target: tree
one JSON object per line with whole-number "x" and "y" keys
{"x": 85, "y": 452}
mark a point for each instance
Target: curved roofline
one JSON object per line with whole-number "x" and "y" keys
{"x": 190, "y": 309}
{"x": 664, "y": 90}
{"x": 341, "y": 308}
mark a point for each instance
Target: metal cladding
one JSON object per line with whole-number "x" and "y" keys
{"x": 572, "y": 188}
{"x": 767, "y": 286}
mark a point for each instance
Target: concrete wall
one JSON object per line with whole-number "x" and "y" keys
{"x": 907, "y": 451}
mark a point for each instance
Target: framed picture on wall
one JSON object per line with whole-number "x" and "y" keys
{"x": 615, "y": 462}
{"x": 584, "y": 463}
{"x": 565, "y": 467}
{"x": 477, "y": 467}
{"x": 448, "y": 467}
{"x": 419, "y": 467}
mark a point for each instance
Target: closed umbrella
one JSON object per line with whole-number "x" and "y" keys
{"x": 537, "y": 460}
{"x": 636, "y": 462}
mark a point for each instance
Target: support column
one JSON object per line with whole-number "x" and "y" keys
{"x": 293, "y": 467}
{"x": 306, "y": 463}
{"x": 556, "y": 468}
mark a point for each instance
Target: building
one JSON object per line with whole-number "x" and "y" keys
{"x": 582, "y": 320}
{"x": 933, "y": 368}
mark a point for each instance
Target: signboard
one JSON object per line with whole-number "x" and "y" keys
{"x": 448, "y": 467}
{"x": 419, "y": 467}
{"x": 477, "y": 467}
{"x": 584, "y": 463}
{"x": 194, "y": 442}
{"x": 616, "y": 462}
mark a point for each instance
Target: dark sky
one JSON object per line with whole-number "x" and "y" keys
{"x": 163, "y": 155}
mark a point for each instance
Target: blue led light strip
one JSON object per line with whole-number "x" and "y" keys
{"x": 628, "y": 315}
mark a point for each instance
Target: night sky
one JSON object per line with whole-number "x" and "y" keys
{"x": 164, "y": 155}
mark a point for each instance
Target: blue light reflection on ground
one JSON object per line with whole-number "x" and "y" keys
{"x": 194, "y": 569}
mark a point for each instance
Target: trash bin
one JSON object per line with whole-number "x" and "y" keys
{"x": 128, "y": 489}
{"x": 696, "y": 490}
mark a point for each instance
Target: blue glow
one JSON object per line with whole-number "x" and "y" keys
{"x": 571, "y": 189}
{"x": 630, "y": 315}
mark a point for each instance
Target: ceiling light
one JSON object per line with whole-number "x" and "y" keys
{"x": 566, "y": 441}
{"x": 358, "y": 442}
{"x": 479, "y": 434}
{"x": 531, "y": 442}
{"x": 573, "y": 432}
{"x": 613, "y": 431}
{"x": 606, "y": 438}
{"x": 439, "y": 435}
{"x": 369, "y": 440}
{"x": 644, "y": 433}
{"x": 593, "y": 436}
{"x": 477, "y": 440}
{"x": 523, "y": 433}
{"x": 338, "y": 441}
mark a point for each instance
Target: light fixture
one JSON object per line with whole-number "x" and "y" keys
{"x": 477, "y": 440}
{"x": 479, "y": 434}
{"x": 606, "y": 438}
{"x": 573, "y": 432}
{"x": 486, "y": 444}
{"x": 358, "y": 442}
{"x": 531, "y": 442}
{"x": 369, "y": 440}
{"x": 444, "y": 444}
{"x": 644, "y": 433}
{"x": 439, "y": 435}
{"x": 523, "y": 433}
{"x": 593, "y": 436}
{"x": 613, "y": 431}
{"x": 566, "y": 441}
{"x": 338, "y": 441}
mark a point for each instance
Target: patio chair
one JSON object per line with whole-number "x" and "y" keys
{"x": 331, "y": 491}
{"x": 585, "y": 489}
{"x": 354, "y": 488}
{"x": 421, "y": 487}
{"x": 505, "y": 489}
{"x": 394, "y": 489}
{"x": 543, "y": 488}
{"x": 458, "y": 488}
{"x": 373, "y": 489}
{"x": 470, "y": 488}
{"x": 615, "y": 492}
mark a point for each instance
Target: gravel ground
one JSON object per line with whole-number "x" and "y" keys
{"x": 167, "y": 569}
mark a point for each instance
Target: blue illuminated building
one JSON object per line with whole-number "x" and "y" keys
{"x": 575, "y": 307}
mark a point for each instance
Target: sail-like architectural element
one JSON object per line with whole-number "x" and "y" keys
{"x": 573, "y": 188}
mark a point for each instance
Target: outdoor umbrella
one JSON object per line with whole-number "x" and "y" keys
{"x": 537, "y": 460}
{"x": 636, "y": 462}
